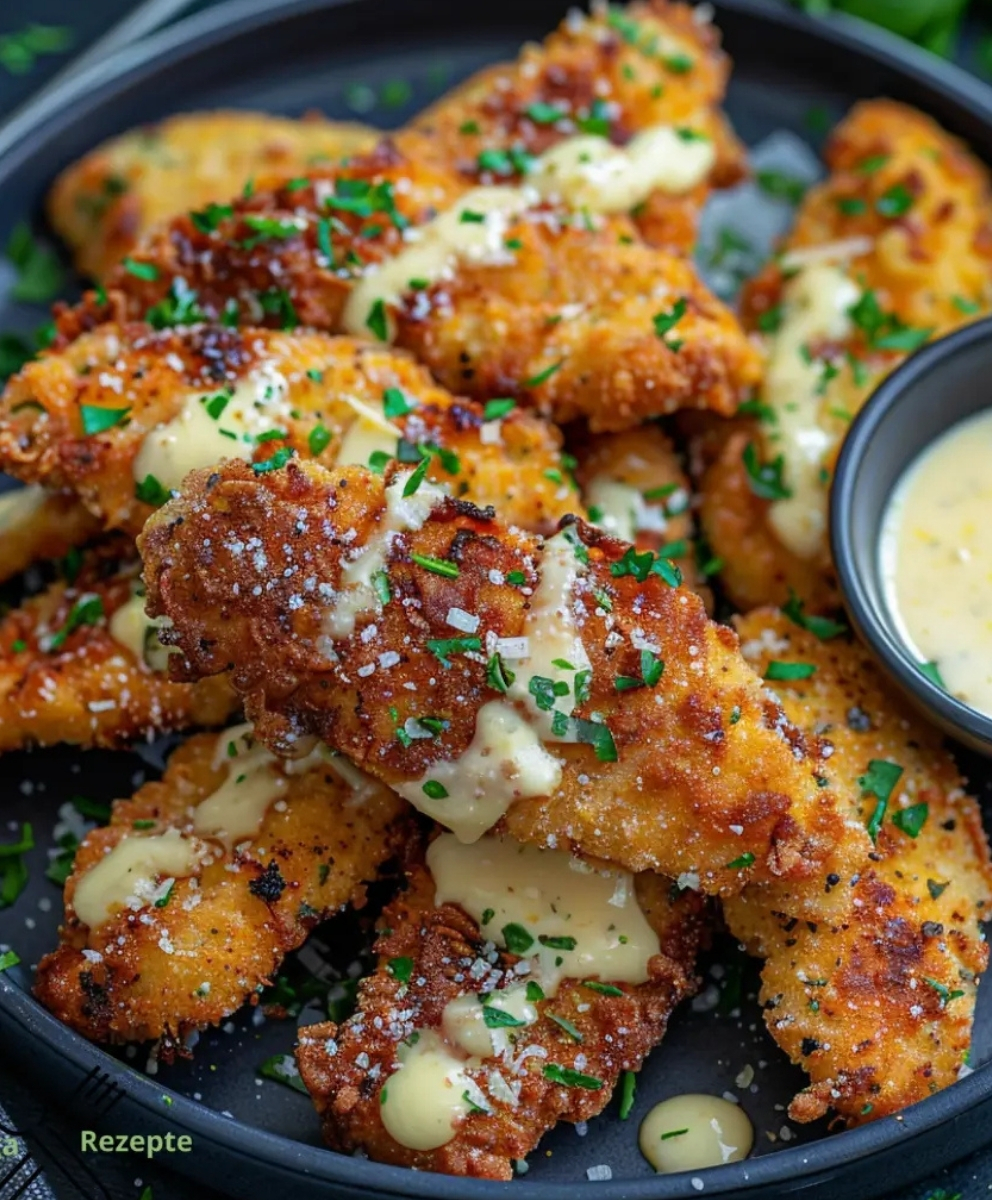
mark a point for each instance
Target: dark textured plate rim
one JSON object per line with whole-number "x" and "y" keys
{"x": 19, "y": 139}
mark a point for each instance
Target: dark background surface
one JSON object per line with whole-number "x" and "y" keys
{"x": 121, "y": 1176}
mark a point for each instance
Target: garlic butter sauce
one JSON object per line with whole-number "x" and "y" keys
{"x": 936, "y": 559}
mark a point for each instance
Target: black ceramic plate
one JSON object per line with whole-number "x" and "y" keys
{"x": 252, "y": 1135}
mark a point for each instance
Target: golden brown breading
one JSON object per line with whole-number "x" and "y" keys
{"x": 715, "y": 784}
{"x": 613, "y": 73}
{"x": 878, "y": 1010}
{"x": 36, "y": 523}
{"x": 908, "y": 211}
{"x": 105, "y": 203}
{"x": 64, "y": 677}
{"x": 347, "y": 1068}
{"x": 165, "y": 970}
{"x": 563, "y": 318}
{"x": 326, "y": 394}
{"x": 635, "y": 489}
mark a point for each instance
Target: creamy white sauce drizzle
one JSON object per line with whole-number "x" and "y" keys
{"x": 133, "y": 629}
{"x": 815, "y": 308}
{"x": 693, "y": 1132}
{"x": 401, "y": 514}
{"x": 505, "y": 761}
{"x": 423, "y": 1101}
{"x": 936, "y": 558}
{"x": 236, "y": 810}
{"x": 551, "y": 895}
{"x": 194, "y": 438}
{"x": 370, "y": 433}
{"x": 621, "y": 510}
{"x": 136, "y": 873}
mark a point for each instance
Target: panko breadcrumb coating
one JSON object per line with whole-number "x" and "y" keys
{"x": 878, "y": 1009}
{"x": 590, "y": 1033}
{"x": 710, "y": 782}
{"x": 174, "y": 960}
{"x": 104, "y": 204}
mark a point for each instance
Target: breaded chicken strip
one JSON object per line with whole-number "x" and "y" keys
{"x": 566, "y": 689}
{"x": 123, "y": 413}
{"x": 183, "y": 908}
{"x": 610, "y": 76}
{"x": 894, "y": 248}
{"x": 104, "y": 204}
{"x": 635, "y": 489}
{"x": 79, "y": 663}
{"x": 878, "y": 1010}
{"x": 36, "y": 523}
{"x": 541, "y": 1056}
{"x": 500, "y": 295}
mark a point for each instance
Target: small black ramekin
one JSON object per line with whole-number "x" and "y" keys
{"x": 942, "y": 384}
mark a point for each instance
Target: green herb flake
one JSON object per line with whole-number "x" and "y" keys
{"x": 401, "y": 969}
{"x": 97, "y": 419}
{"x": 319, "y": 439}
{"x": 665, "y": 322}
{"x": 282, "y": 1069}
{"x": 516, "y": 939}
{"x": 628, "y": 1094}
{"x": 495, "y": 409}
{"x": 822, "y": 627}
{"x": 437, "y": 566}
{"x": 140, "y": 270}
{"x": 912, "y": 819}
{"x": 39, "y": 275}
{"x": 741, "y": 863}
{"x": 543, "y": 376}
{"x": 275, "y": 463}
{"x": 442, "y": 648}
{"x": 498, "y": 675}
{"x": 896, "y": 201}
{"x": 87, "y": 610}
{"x": 568, "y": 1077}
{"x": 786, "y": 671}
{"x": 604, "y": 989}
{"x": 932, "y": 672}
{"x": 765, "y": 479}
{"x": 150, "y": 491}
{"x": 879, "y": 781}
{"x": 7, "y": 960}
{"x": 563, "y": 1023}
{"x": 435, "y": 790}
{"x": 498, "y": 1018}
{"x": 780, "y": 186}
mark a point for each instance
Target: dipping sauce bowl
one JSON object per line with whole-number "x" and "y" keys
{"x": 885, "y": 458}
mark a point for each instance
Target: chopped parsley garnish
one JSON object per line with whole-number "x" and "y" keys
{"x": 882, "y": 330}
{"x": 163, "y": 900}
{"x": 591, "y": 733}
{"x": 652, "y": 669}
{"x": 932, "y": 672}
{"x": 873, "y": 163}
{"x": 13, "y": 868}
{"x": 968, "y": 307}
{"x": 435, "y": 790}
{"x": 822, "y": 627}
{"x": 665, "y": 322}
{"x": 277, "y": 302}
{"x": 765, "y": 479}
{"x": 498, "y": 1018}
{"x": 179, "y": 307}
{"x": 739, "y": 864}
{"x": 87, "y": 610}
{"x": 598, "y": 119}
{"x": 641, "y": 564}
{"x": 896, "y": 201}
{"x": 277, "y": 461}
{"x": 563, "y": 1023}
{"x": 97, "y": 419}
{"x": 936, "y": 889}
{"x": 150, "y": 491}
{"x": 545, "y": 691}
{"x": 441, "y": 648}
{"x": 319, "y": 439}
{"x": 628, "y": 1094}
{"x": 568, "y": 1077}
{"x": 495, "y": 409}
{"x": 215, "y": 404}
{"x": 498, "y": 674}
{"x": 879, "y": 781}
{"x": 282, "y": 1069}
{"x": 912, "y": 819}
{"x": 604, "y": 989}
{"x": 39, "y": 275}
{"x": 781, "y": 186}
{"x": 944, "y": 992}
{"x": 140, "y": 270}
{"x": 416, "y": 478}
{"x": 208, "y": 219}
{"x": 851, "y": 206}
{"x": 534, "y": 992}
{"x": 543, "y": 376}
{"x": 377, "y": 321}
{"x": 673, "y": 1133}
{"x": 400, "y": 968}
{"x": 395, "y": 404}
{"x": 8, "y": 959}
{"x": 777, "y": 670}
{"x": 516, "y": 939}
{"x": 437, "y": 566}
{"x": 770, "y": 321}
{"x": 20, "y": 48}
{"x": 557, "y": 943}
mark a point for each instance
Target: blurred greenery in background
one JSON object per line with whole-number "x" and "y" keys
{"x": 933, "y": 24}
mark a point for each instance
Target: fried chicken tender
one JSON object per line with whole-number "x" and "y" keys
{"x": 174, "y": 953}
{"x": 79, "y": 664}
{"x": 612, "y": 74}
{"x": 555, "y": 311}
{"x": 36, "y": 523}
{"x": 104, "y": 204}
{"x": 878, "y": 1009}
{"x": 635, "y": 489}
{"x": 711, "y": 783}
{"x": 350, "y": 1070}
{"x": 897, "y": 246}
{"x": 125, "y": 403}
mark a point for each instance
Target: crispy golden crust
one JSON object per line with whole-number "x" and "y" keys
{"x": 922, "y": 203}
{"x": 104, "y": 204}
{"x": 164, "y": 972}
{"x": 630, "y": 69}
{"x": 347, "y": 1068}
{"x": 90, "y": 690}
{"x": 572, "y": 307}
{"x": 702, "y": 753}
{"x": 643, "y": 459}
{"x": 36, "y": 523}
{"x": 309, "y": 381}
{"x": 878, "y": 1010}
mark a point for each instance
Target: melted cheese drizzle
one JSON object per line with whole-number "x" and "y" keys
{"x": 370, "y": 433}
{"x": 505, "y": 761}
{"x": 692, "y": 1132}
{"x": 133, "y": 875}
{"x": 815, "y": 307}
{"x": 401, "y": 514}
{"x": 552, "y": 636}
{"x": 621, "y": 510}
{"x": 936, "y": 559}
{"x": 133, "y": 629}
{"x": 19, "y": 506}
{"x": 552, "y": 895}
{"x": 585, "y": 172}
{"x": 193, "y": 438}
{"x": 236, "y": 810}
{"x": 424, "y": 1100}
